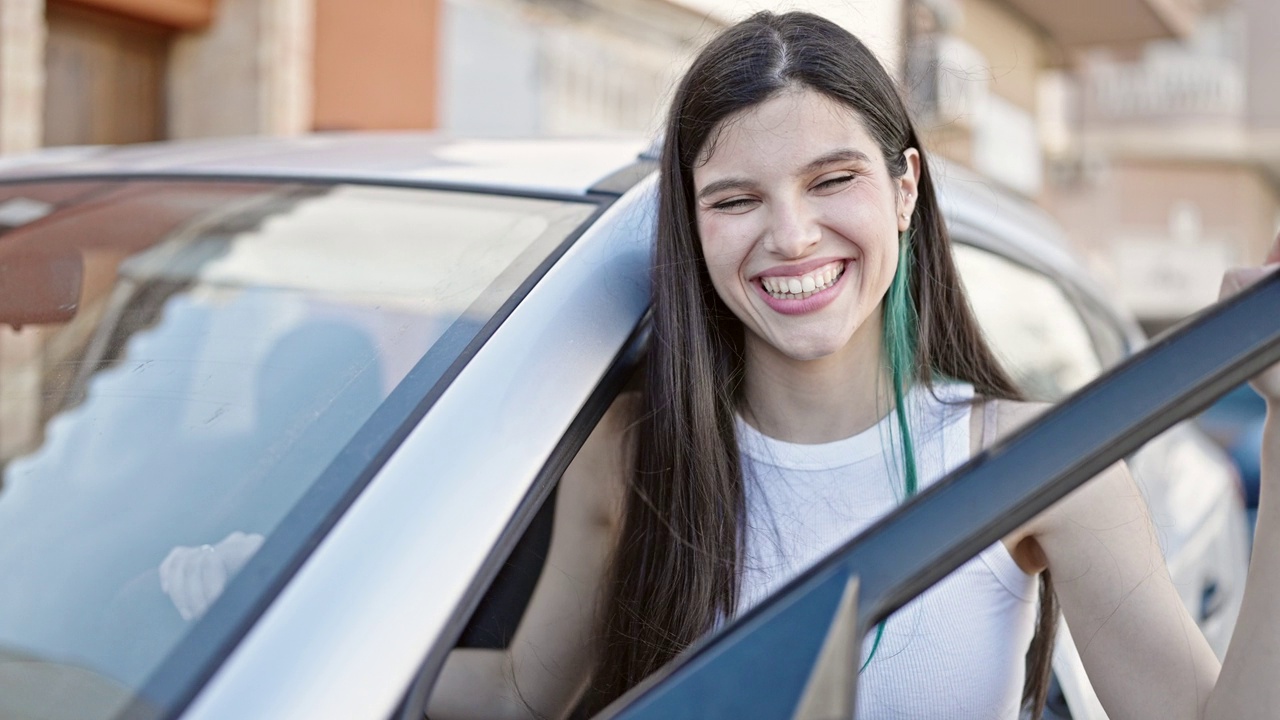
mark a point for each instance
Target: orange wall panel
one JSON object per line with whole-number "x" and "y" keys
{"x": 180, "y": 14}
{"x": 376, "y": 70}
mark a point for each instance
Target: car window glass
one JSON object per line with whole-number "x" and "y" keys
{"x": 1030, "y": 322}
{"x": 1112, "y": 340}
{"x": 219, "y": 346}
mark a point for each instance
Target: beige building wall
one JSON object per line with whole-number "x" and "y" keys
{"x": 1174, "y": 173}
{"x": 1162, "y": 232}
{"x": 104, "y": 77}
{"x": 984, "y": 63}
{"x": 1263, "y": 53}
{"x": 22, "y": 34}
{"x": 878, "y": 23}
{"x": 249, "y": 73}
{"x": 222, "y": 67}
{"x": 1015, "y": 52}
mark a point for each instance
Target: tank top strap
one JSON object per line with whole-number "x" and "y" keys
{"x": 989, "y": 417}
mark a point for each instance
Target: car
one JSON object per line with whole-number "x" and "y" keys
{"x": 376, "y": 354}
{"x": 1235, "y": 423}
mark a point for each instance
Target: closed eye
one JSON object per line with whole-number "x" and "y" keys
{"x": 734, "y": 204}
{"x": 835, "y": 182}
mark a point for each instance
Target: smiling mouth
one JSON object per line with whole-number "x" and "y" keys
{"x": 800, "y": 287}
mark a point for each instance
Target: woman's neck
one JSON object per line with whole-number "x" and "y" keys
{"x": 816, "y": 401}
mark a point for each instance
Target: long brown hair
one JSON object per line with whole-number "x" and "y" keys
{"x": 676, "y": 568}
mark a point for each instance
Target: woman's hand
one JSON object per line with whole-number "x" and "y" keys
{"x": 1267, "y": 383}
{"x": 1246, "y": 686}
{"x": 193, "y": 577}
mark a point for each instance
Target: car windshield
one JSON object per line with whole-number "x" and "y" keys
{"x": 181, "y": 360}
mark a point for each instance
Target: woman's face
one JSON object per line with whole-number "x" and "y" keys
{"x": 799, "y": 218}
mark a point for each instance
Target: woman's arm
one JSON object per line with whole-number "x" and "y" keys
{"x": 1250, "y": 682}
{"x": 1145, "y": 656}
{"x": 549, "y": 659}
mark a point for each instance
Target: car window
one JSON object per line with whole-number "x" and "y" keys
{"x": 1030, "y": 322}
{"x": 214, "y": 349}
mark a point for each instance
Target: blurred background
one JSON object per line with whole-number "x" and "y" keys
{"x": 1149, "y": 128}
{"x": 1146, "y": 127}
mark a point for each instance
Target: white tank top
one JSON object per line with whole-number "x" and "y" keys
{"x": 958, "y": 650}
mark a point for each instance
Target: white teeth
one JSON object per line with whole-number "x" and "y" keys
{"x": 798, "y": 288}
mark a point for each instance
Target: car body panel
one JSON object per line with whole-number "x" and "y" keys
{"x": 525, "y": 166}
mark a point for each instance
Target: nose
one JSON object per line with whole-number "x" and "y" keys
{"x": 793, "y": 229}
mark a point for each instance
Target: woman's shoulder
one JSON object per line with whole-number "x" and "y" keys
{"x": 1013, "y": 414}
{"x": 596, "y": 478}
{"x": 995, "y": 418}
{"x": 611, "y": 440}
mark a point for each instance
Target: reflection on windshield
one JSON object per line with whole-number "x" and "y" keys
{"x": 174, "y": 447}
{"x": 209, "y": 379}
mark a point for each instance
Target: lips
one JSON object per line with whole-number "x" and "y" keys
{"x": 795, "y": 290}
{"x": 799, "y": 287}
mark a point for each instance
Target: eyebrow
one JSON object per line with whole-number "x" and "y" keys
{"x": 725, "y": 184}
{"x": 835, "y": 156}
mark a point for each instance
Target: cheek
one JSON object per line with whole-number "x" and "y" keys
{"x": 887, "y": 267}
{"x": 723, "y": 273}
{"x": 722, "y": 250}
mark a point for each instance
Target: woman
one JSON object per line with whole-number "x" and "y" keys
{"x": 813, "y": 362}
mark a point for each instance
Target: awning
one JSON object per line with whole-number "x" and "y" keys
{"x": 178, "y": 14}
{"x": 1108, "y": 22}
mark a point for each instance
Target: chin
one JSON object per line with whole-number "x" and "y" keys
{"x": 801, "y": 351}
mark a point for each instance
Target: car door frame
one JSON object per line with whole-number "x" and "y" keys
{"x": 315, "y": 651}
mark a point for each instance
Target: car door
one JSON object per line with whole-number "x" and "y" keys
{"x": 234, "y": 357}
{"x": 795, "y": 655}
{"x": 387, "y": 592}
{"x": 1055, "y": 336}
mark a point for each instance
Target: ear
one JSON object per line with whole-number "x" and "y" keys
{"x": 908, "y": 186}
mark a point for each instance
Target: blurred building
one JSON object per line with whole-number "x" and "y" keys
{"x": 1145, "y": 126}
{"x": 110, "y": 71}
{"x": 977, "y": 69}
{"x": 1173, "y": 171}
{"x": 563, "y": 67}
{"x": 121, "y": 71}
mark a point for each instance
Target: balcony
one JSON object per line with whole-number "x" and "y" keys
{"x": 1175, "y": 90}
{"x": 1191, "y": 108}
{"x": 1081, "y": 23}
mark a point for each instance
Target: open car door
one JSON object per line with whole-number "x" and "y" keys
{"x": 796, "y": 654}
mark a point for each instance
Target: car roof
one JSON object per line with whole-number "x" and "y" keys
{"x": 540, "y": 166}
{"x": 981, "y": 213}
{"x": 978, "y": 211}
